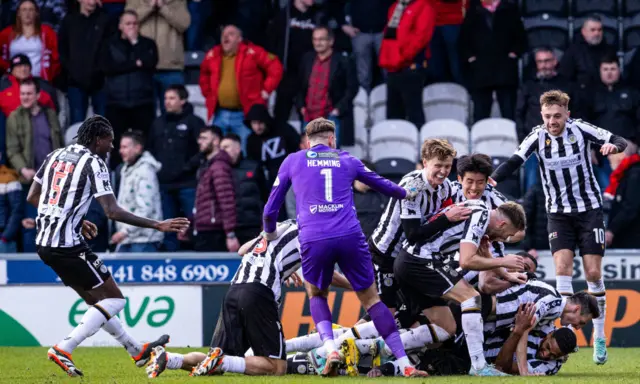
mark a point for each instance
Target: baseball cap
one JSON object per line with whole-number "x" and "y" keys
{"x": 20, "y": 59}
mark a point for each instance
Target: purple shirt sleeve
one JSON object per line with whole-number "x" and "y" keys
{"x": 377, "y": 182}
{"x": 277, "y": 196}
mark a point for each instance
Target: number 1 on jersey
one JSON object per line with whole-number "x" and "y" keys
{"x": 328, "y": 183}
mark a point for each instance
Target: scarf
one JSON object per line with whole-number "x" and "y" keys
{"x": 618, "y": 174}
{"x": 394, "y": 21}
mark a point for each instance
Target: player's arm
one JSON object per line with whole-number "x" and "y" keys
{"x": 521, "y": 356}
{"x": 33, "y": 197}
{"x": 247, "y": 246}
{"x": 411, "y": 220}
{"x": 602, "y": 137}
{"x": 377, "y": 182}
{"x": 491, "y": 283}
{"x": 523, "y": 322}
{"x": 528, "y": 146}
{"x": 277, "y": 196}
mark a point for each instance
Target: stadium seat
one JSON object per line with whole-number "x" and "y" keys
{"x": 630, "y": 7}
{"x": 296, "y": 124}
{"x": 546, "y": 30}
{"x": 454, "y": 131}
{"x": 192, "y": 61}
{"x": 510, "y": 186}
{"x": 628, "y": 56}
{"x": 378, "y": 103}
{"x": 609, "y": 25}
{"x": 394, "y": 139}
{"x": 558, "y": 8}
{"x": 197, "y": 100}
{"x": 494, "y": 137}
{"x": 446, "y": 101}
{"x": 70, "y": 134}
{"x": 585, "y": 7}
{"x": 355, "y": 151}
{"x": 362, "y": 99}
{"x": 394, "y": 169}
{"x": 360, "y": 130}
{"x": 631, "y": 27}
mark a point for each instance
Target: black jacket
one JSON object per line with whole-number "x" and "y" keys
{"x": 128, "y": 85}
{"x": 616, "y": 110}
{"x": 79, "y": 42}
{"x": 248, "y": 186}
{"x": 369, "y": 16}
{"x": 490, "y": 38}
{"x": 624, "y": 218}
{"x": 343, "y": 87}
{"x": 528, "y": 102}
{"x": 537, "y": 236}
{"x": 271, "y": 147}
{"x": 369, "y": 207}
{"x": 581, "y": 62}
{"x": 173, "y": 140}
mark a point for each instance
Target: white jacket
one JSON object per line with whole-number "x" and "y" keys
{"x": 139, "y": 193}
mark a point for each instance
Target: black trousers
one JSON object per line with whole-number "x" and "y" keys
{"x": 483, "y": 100}
{"x": 404, "y": 96}
{"x": 285, "y": 94}
{"x": 210, "y": 241}
{"x": 139, "y": 118}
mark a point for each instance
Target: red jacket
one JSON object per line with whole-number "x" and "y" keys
{"x": 50, "y": 61}
{"x": 410, "y": 47}
{"x": 10, "y": 96}
{"x": 451, "y": 13}
{"x": 256, "y": 70}
{"x": 215, "y": 206}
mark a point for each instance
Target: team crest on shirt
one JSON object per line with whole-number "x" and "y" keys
{"x": 573, "y": 139}
{"x": 553, "y": 235}
{"x": 548, "y": 142}
{"x": 261, "y": 247}
{"x": 312, "y": 155}
{"x": 442, "y": 193}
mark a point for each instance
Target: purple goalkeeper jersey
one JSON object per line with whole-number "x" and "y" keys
{"x": 322, "y": 178}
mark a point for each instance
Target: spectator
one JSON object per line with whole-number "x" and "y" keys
{"x": 10, "y": 86}
{"x": 369, "y": 204}
{"x": 173, "y": 142}
{"x": 228, "y": 94}
{"x": 139, "y": 192}
{"x": 492, "y": 38}
{"x": 82, "y": 35}
{"x": 328, "y": 86}
{"x": 248, "y": 185}
{"x": 404, "y": 55}
{"x": 11, "y": 209}
{"x": 51, "y": 11}
{"x": 290, "y": 37}
{"x": 624, "y": 218}
{"x": 614, "y": 106}
{"x": 29, "y": 37}
{"x": 164, "y": 21}
{"x": 368, "y": 19}
{"x": 215, "y": 207}
{"x": 129, "y": 63}
{"x": 581, "y": 62}
{"x": 33, "y": 132}
{"x": 445, "y": 65}
{"x": 269, "y": 143}
{"x": 200, "y": 11}
{"x": 536, "y": 237}
{"x": 252, "y": 17}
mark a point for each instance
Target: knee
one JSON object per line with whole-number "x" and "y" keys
{"x": 369, "y": 297}
{"x": 313, "y": 291}
{"x": 593, "y": 274}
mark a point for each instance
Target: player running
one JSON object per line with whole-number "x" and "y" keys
{"x": 62, "y": 190}
{"x": 574, "y": 202}
{"x": 330, "y": 232}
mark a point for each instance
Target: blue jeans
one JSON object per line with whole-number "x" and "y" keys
{"x": 336, "y": 121}
{"x": 28, "y": 235}
{"x": 444, "y": 54}
{"x": 161, "y": 81}
{"x": 138, "y": 247}
{"x": 232, "y": 122}
{"x": 174, "y": 203}
{"x": 364, "y": 45}
{"x": 8, "y": 247}
{"x": 3, "y": 138}
{"x": 603, "y": 171}
{"x": 531, "y": 173}
{"x": 200, "y": 12}
{"x": 79, "y": 102}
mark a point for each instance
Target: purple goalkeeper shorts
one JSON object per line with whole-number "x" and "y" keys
{"x": 351, "y": 252}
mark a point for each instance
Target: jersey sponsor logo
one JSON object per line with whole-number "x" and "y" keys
{"x": 565, "y": 162}
{"x": 323, "y": 163}
{"x": 102, "y": 175}
{"x": 261, "y": 247}
{"x": 312, "y": 155}
{"x": 70, "y": 157}
{"x": 325, "y": 208}
{"x": 330, "y": 155}
{"x": 553, "y": 235}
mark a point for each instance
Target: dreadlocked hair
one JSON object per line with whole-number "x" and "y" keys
{"x": 94, "y": 127}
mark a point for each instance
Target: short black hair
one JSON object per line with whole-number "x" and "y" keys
{"x": 588, "y": 303}
{"x": 477, "y": 162}
{"x": 609, "y": 59}
{"x": 180, "y": 89}
{"x": 544, "y": 48}
{"x": 135, "y": 135}
{"x": 93, "y": 128}
{"x": 566, "y": 340}
{"x": 31, "y": 81}
{"x": 528, "y": 256}
{"x": 234, "y": 137}
{"x": 592, "y": 17}
{"x": 217, "y": 131}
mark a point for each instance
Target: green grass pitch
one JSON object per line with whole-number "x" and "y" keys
{"x": 112, "y": 366}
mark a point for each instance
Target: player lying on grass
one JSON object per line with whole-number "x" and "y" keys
{"x": 249, "y": 316}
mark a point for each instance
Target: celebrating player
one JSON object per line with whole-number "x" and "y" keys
{"x": 330, "y": 232}
{"x": 574, "y": 201}
{"x": 63, "y": 189}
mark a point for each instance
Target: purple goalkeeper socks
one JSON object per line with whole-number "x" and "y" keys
{"x": 321, "y": 315}
{"x": 386, "y": 326}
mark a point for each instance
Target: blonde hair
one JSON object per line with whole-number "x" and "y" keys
{"x": 437, "y": 148}
{"x": 515, "y": 213}
{"x": 555, "y": 97}
{"x": 319, "y": 126}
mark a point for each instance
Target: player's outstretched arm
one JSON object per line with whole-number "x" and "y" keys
{"x": 117, "y": 213}
{"x": 528, "y": 147}
{"x": 471, "y": 260}
{"x": 276, "y": 198}
{"x": 33, "y": 197}
{"x": 377, "y": 182}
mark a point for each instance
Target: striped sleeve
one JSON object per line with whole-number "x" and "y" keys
{"x": 40, "y": 174}
{"x": 475, "y": 227}
{"x": 528, "y": 146}
{"x": 99, "y": 177}
{"x": 592, "y": 133}
{"x": 496, "y": 198}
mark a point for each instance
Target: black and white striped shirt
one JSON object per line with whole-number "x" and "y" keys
{"x": 70, "y": 177}
{"x": 570, "y": 185}
{"x": 388, "y": 236}
{"x": 444, "y": 245}
{"x": 270, "y": 263}
{"x": 548, "y": 301}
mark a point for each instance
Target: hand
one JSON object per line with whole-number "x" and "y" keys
{"x": 512, "y": 55}
{"x": 414, "y": 187}
{"x": 179, "y": 224}
{"x": 513, "y": 262}
{"x": 608, "y": 149}
{"x": 457, "y": 213}
{"x": 264, "y": 94}
{"x": 525, "y": 318}
{"x": 471, "y": 59}
{"x": 608, "y": 238}
{"x": 303, "y": 112}
{"x": 270, "y": 236}
{"x": 28, "y": 223}
{"x": 350, "y": 30}
{"x": 492, "y": 182}
{"x": 89, "y": 230}
{"x": 294, "y": 279}
{"x": 516, "y": 277}
{"x": 118, "y": 237}
{"x": 232, "y": 244}
{"x": 28, "y": 173}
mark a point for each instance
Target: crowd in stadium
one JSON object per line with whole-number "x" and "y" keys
{"x": 207, "y": 98}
